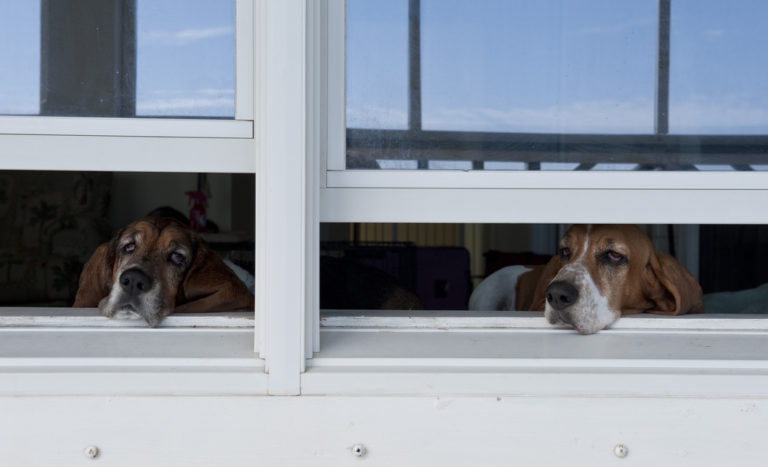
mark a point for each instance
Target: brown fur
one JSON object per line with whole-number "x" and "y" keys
{"x": 651, "y": 282}
{"x": 202, "y": 284}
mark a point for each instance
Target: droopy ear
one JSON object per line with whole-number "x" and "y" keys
{"x": 672, "y": 289}
{"x": 211, "y": 286}
{"x": 96, "y": 278}
{"x": 549, "y": 273}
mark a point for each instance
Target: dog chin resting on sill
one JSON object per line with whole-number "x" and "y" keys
{"x": 156, "y": 266}
{"x": 600, "y": 273}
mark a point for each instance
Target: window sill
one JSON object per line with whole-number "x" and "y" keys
{"x": 90, "y": 318}
{"x": 699, "y": 360}
{"x": 78, "y": 352}
{"x": 462, "y": 319}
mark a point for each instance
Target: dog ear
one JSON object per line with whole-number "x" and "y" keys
{"x": 539, "y": 294}
{"x": 210, "y": 285}
{"x": 96, "y": 278}
{"x": 672, "y": 289}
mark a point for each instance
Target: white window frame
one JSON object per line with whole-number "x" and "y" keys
{"x": 538, "y": 196}
{"x": 296, "y": 97}
{"x": 360, "y": 354}
{"x": 267, "y": 81}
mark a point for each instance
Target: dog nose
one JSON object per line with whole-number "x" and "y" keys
{"x": 561, "y": 295}
{"x": 135, "y": 282}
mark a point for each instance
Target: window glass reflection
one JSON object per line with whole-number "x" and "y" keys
{"x": 185, "y": 58}
{"x": 718, "y": 83}
{"x": 160, "y": 58}
{"x": 19, "y": 57}
{"x": 557, "y": 85}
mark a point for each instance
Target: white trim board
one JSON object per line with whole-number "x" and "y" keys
{"x": 397, "y": 431}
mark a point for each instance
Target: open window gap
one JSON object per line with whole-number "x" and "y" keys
{"x": 54, "y": 221}
{"x": 425, "y": 275}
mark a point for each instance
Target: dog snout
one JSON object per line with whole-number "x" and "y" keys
{"x": 561, "y": 295}
{"x": 135, "y": 282}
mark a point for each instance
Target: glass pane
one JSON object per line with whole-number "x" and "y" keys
{"x": 377, "y": 83}
{"x": 718, "y": 81}
{"x": 185, "y": 58}
{"x": 548, "y": 66}
{"x": 125, "y": 58}
{"x": 556, "y": 85}
{"x": 19, "y": 57}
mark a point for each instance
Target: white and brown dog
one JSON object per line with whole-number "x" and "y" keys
{"x": 600, "y": 273}
{"x": 156, "y": 266}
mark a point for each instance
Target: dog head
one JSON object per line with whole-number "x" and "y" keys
{"x": 604, "y": 271}
{"x": 154, "y": 266}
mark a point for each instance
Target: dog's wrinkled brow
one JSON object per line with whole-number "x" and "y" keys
{"x": 142, "y": 231}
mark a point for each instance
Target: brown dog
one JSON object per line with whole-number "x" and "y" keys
{"x": 600, "y": 273}
{"x": 156, "y": 266}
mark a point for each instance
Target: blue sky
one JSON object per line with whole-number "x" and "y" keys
{"x": 560, "y": 65}
{"x": 185, "y": 57}
{"x": 719, "y": 77}
{"x": 19, "y": 56}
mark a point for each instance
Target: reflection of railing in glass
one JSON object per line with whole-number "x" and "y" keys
{"x": 366, "y": 148}
{"x": 88, "y": 58}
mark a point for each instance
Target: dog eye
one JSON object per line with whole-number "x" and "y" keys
{"x": 565, "y": 253}
{"x": 177, "y": 258}
{"x": 128, "y": 248}
{"x": 615, "y": 258}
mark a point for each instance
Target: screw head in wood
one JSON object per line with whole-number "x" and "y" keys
{"x": 91, "y": 452}
{"x": 358, "y": 450}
